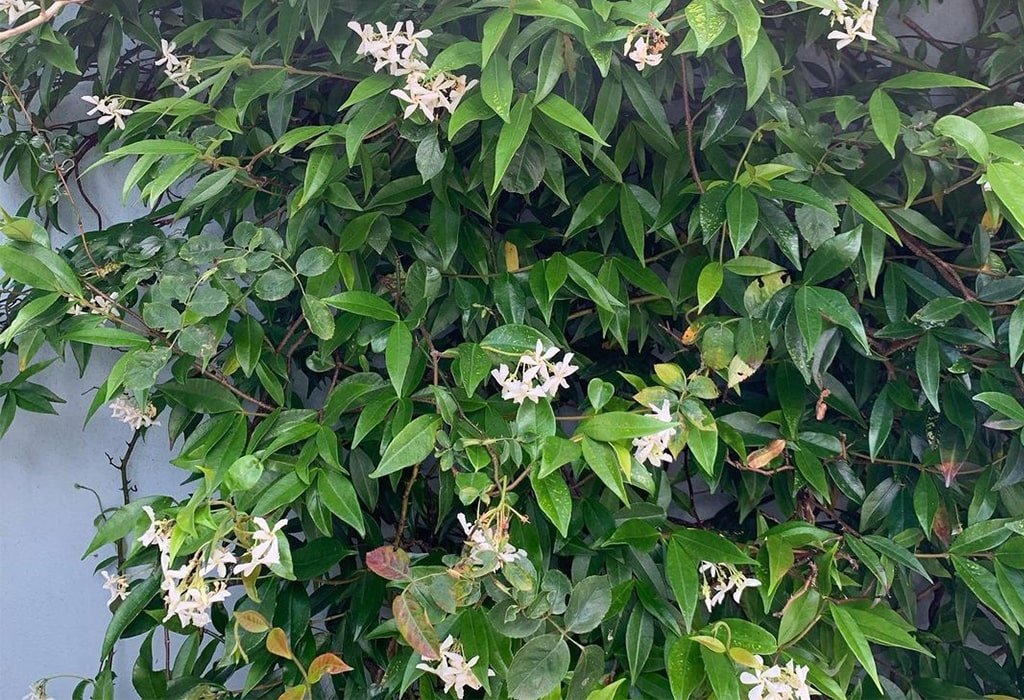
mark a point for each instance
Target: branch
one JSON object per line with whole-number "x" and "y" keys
{"x": 42, "y": 18}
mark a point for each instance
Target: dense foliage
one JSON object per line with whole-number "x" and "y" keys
{"x": 537, "y": 349}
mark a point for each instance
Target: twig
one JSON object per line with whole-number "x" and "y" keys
{"x": 400, "y": 527}
{"x": 941, "y": 266}
{"x": 42, "y": 18}
{"x": 688, "y": 116}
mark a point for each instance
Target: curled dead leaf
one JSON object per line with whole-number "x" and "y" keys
{"x": 759, "y": 459}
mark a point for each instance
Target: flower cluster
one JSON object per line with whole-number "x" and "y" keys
{"x": 401, "y": 51}
{"x": 187, "y": 592}
{"x": 98, "y": 305}
{"x": 857, "y": 23}
{"x": 654, "y": 448}
{"x": 535, "y": 375}
{"x": 488, "y": 544}
{"x": 124, "y": 409}
{"x": 16, "y": 9}
{"x": 178, "y": 69}
{"x": 644, "y": 46}
{"x": 719, "y": 579}
{"x": 453, "y": 669}
{"x": 111, "y": 108}
{"x": 776, "y": 682}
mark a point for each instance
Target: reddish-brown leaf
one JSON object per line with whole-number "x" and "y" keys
{"x": 326, "y": 663}
{"x": 277, "y": 643}
{"x": 415, "y": 627}
{"x": 389, "y": 562}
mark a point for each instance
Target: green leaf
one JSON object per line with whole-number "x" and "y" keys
{"x": 602, "y": 461}
{"x": 411, "y": 445}
{"x": 510, "y": 138}
{"x": 495, "y": 28}
{"x": 705, "y": 545}
{"x": 681, "y": 568}
{"x": 368, "y": 87}
{"x": 864, "y": 206}
{"x": 811, "y": 304}
{"x": 566, "y": 113}
{"x": 600, "y": 296}
{"x": 708, "y": 20}
{"x": 206, "y": 189}
{"x": 554, "y": 500}
{"x": 748, "y": 22}
{"x": 855, "y": 639}
{"x": 684, "y": 666}
{"x": 1007, "y": 181}
{"x": 708, "y": 283}
{"x": 618, "y": 425}
{"x": 885, "y": 119}
{"x": 318, "y": 174}
{"x": 833, "y": 257}
{"x": 257, "y": 84}
{"x": 985, "y": 586}
{"x": 318, "y": 317}
{"x": 588, "y": 605}
{"x": 363, "y": 304}
{"x": 927, "y": 363}
{"x": 398, "y": 355}
{"x": 549, "y": 8}
{"x": 201, "y": 396}
{"x": 496, "y": 88}
{"x": 758, "y": 66}
{"x": 924, "y": 80}
{"x": 35, "y": 266}
{"x": 966, "y": 134}
{"x": 741, "y": 215}
{"x": 340, "y": 498}
{"x": 1015, "y": 334}
{"x": 538, "y": 668}
{"x": 1002, "y": 403}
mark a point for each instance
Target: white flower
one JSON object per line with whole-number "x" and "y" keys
{"x": 167, "y": 57}
{"x": 717, "y": 580}
{"x": 181, "y": 73}
{"x": 643, "y": 56}
{"x": 38, "y": 691}
{"x": 265, "y": 549}
{"x": 124, "y": 409}
{"x": 776, "y": 682}
{"x": 158, "y": 533}
{"x": 454, "y": 670}
{"x": 654, "y": 448}
{"x": 98, "y": 305}
{"x": 188, "y": 595}
{"x": 220, "y": 557}
{"x": 117, "y": 585}
{"x": 112, "y": 109}
{"x": 15, "y": 10}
